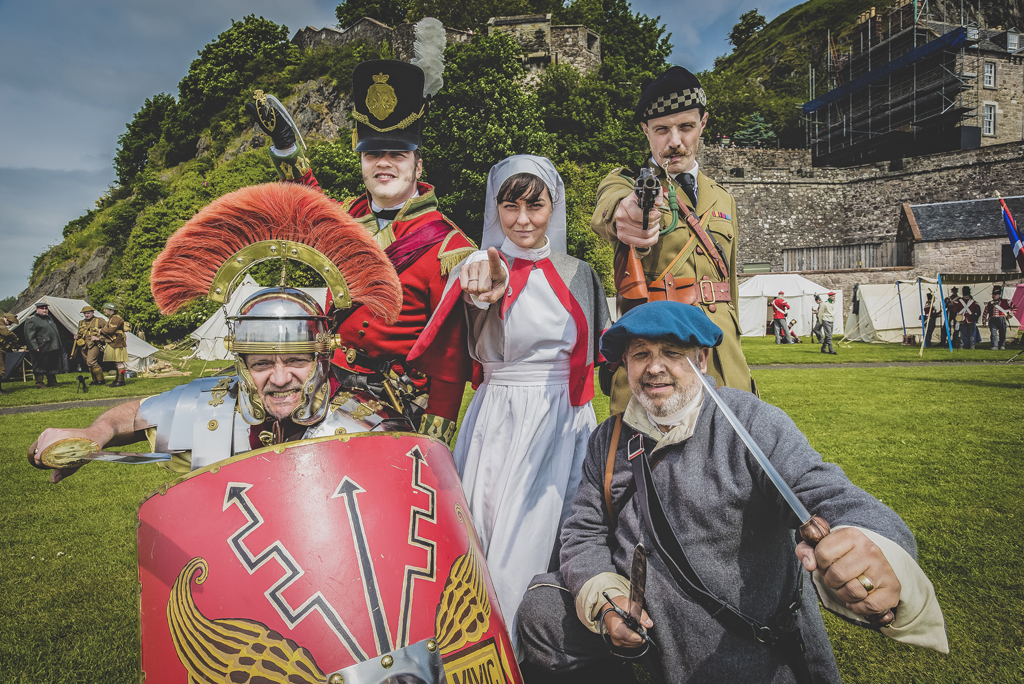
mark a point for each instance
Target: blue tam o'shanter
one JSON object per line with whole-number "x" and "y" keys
{"x": 684, "y": 324}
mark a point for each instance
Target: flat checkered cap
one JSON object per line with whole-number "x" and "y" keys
{"x": 676, "y": 90}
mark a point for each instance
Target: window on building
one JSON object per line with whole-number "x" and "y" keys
{"x": 988, "y": 120}
{"x": 990, "y": 75}
{"x": 1012, "y": 41}
{"x": 1009, "y": 261}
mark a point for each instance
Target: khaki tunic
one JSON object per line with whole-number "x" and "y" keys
{"x": 726, "y": 362}
{"x": 117, "y": 343}
{"x": 91, "y": 351}
{"x": 8, "y": 341}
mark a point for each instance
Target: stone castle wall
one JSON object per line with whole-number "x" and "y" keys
{"x": 783, "y": 202}
{"x": 400, "y": 38}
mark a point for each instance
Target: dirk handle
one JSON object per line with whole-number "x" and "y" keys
{"x": 816, "y": 529}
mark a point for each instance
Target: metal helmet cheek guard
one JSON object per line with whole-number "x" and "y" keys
{"x": 209, "y": 255}
{"x": 282, "y": 320}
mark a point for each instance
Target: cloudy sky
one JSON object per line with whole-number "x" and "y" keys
{"x": 73, "y": 72}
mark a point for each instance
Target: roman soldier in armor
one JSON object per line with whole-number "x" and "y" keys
{"x": 996, "y": 312}
{"x": 89, "y": 344}
{"x": 286, "y": 387}
{"x": 391, "y": 98}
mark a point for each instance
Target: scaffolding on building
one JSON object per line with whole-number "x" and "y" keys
{"x": 903, "y": 88}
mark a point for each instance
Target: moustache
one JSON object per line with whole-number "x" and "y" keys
{"x": 660, "y": 378}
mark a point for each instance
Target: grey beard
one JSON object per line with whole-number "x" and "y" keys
{"x": 682, "y": 396}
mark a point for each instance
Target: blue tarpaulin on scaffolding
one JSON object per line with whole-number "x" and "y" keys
{"x": 951, "y": 40}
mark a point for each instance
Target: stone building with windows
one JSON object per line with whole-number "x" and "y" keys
{"x": 541, "y": 42}
{"x": 1000, "y": 86}
{"x": 909, "y": 86}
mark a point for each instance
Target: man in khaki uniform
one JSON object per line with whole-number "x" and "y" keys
{"x": 89, "y": 343}
{"x": 8, "y": 342}
{"x": 672, "y": 114}
{"x": 117, "y": 345}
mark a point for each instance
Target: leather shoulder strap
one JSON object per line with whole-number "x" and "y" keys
{"x": 609, "y": 469}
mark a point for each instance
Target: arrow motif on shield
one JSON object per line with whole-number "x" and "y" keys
{"x": 235, "y": 495}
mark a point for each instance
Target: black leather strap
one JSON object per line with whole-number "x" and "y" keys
{"x": 783, "y": 634}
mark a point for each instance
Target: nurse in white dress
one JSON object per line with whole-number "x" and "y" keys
{"x": 522, "y": 442}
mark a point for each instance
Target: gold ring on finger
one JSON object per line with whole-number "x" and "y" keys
{"x": 866, "y": 583}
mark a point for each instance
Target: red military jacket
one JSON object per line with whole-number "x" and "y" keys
{"x": 968, "y": 308}
{"x": 997, "y": 308}
{"x": 779, "y": 307}
{"x": 444, "y": 373}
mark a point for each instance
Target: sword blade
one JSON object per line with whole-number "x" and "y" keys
{"x": 73, "y": 451}
{"x": 637, "y": 582}
{"x": 762, "y": 460}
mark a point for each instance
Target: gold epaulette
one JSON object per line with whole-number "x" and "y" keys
{"x": 451, "y": 259}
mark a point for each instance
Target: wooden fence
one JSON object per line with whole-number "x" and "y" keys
{"x": 870, "y": 255}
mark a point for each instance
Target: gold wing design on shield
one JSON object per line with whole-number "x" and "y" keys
{"x": 232, "y": 649}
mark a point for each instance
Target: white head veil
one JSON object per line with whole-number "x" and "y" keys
{"x": 541, "y": 167}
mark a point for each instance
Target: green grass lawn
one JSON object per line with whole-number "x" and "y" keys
{"x": 763, "y": 351}
{"x": 939, "y": 444}
{"x": 26, "y": 394}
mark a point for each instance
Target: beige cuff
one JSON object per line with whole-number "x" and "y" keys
{"x": 919, "y": 620}
{"x": 590, "y": 599}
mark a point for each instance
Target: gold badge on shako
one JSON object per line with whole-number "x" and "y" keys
{"x": 380, "y": 98}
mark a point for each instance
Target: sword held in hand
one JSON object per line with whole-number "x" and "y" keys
{"x": 813, "y": 528}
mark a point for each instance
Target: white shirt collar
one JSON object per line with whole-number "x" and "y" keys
{"x": 376, "y": 207}
{"x": 516, "y": 252}
{"x": 692, "y": 172}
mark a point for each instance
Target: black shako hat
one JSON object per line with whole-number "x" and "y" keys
{"x": 389, "y": 106}
{"x": 676, "y": 90}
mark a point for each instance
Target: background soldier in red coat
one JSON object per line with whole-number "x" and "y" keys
{"x": 967, "y": 313}
{"x": 779, "y": 309}
{"x": 401, "y": 213}
{"x": 996, "y": 312}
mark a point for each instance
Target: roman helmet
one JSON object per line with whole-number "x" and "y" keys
{"x": 210, "y": 255}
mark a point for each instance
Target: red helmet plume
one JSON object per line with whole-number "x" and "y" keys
{"x": 186, "y": 267}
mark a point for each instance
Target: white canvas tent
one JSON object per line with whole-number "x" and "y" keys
{"x": 68, "y": 313}
{"x": 757, "y": 293}
{"x": 879, "y": 317}
{"x": 209, "y": 336}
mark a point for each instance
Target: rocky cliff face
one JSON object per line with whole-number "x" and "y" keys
{"x": 70, "y": 280}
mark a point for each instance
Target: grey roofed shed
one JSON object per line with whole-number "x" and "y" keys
{"x": 964, "y": 220}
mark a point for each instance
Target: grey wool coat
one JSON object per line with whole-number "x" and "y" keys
{"x": 734, "y": 527}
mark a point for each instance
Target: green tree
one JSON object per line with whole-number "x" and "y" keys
{"x": 241, "y": 56}
{"x": 143, "y": 132}
{"x": 749, "y": 24}
{"x": 390, "y": 12}
{"x": 337, "y": 169}
{"x": 754, "y": 132}
{"x": 580, "y": 113}
{"x": 481, "y": 115}
{"x": 79, "y": 224}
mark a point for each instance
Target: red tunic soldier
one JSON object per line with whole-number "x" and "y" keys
{"x": 402, "y": 215}
{"x": 996, "y": 312}
{"x": 779, "y": 309}
{"x": 967, "y": 313}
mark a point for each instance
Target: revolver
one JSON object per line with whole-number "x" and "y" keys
{"x": 646, "y": 188}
